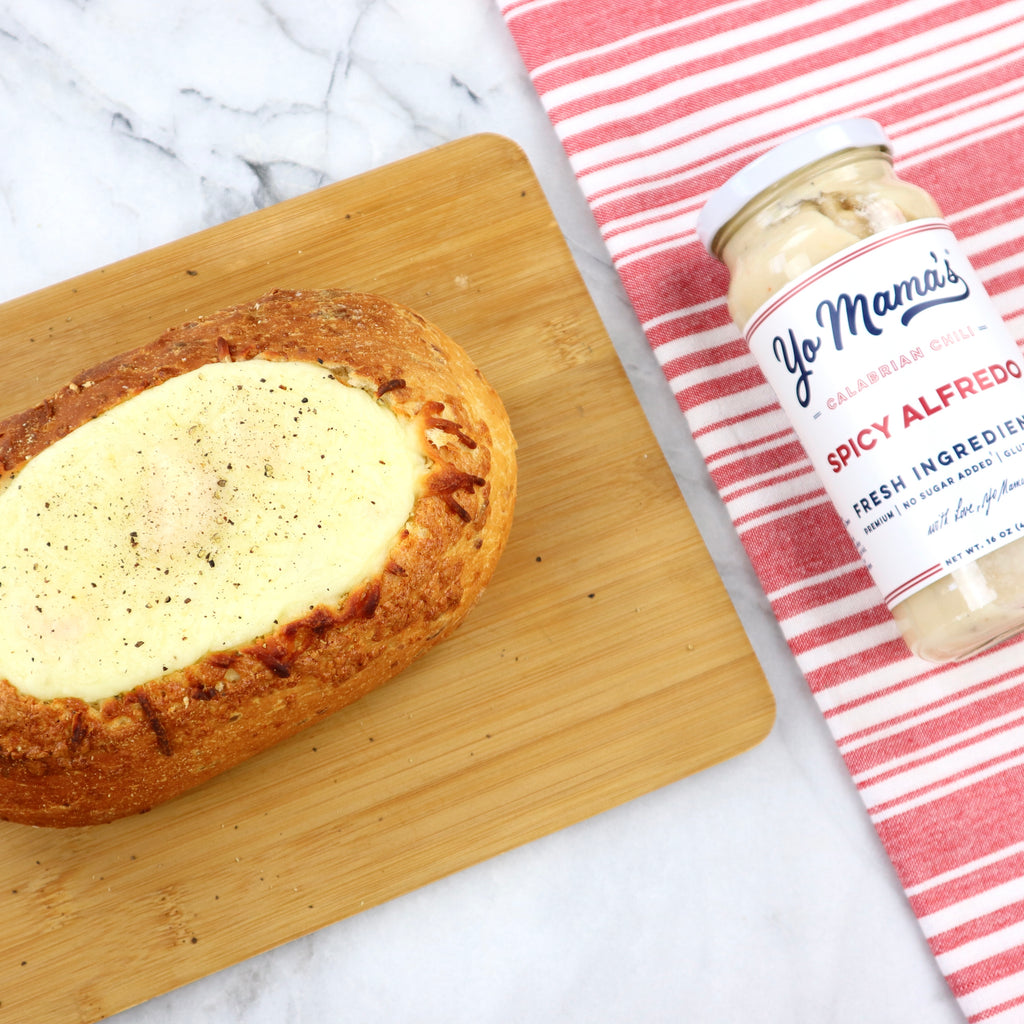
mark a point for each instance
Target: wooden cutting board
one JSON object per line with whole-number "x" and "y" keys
{"x": 604, "y": 660}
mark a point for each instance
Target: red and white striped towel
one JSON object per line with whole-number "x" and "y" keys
{"x": 656, "y": 104}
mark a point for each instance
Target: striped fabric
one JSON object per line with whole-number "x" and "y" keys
{"x": 657, "y": 103}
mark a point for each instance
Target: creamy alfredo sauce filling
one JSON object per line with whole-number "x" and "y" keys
{"x": 194, "y": 517}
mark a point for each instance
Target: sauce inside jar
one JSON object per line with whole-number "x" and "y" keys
{"x": 829, "y": 252}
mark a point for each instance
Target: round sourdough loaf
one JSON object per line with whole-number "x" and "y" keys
{"x": 217, "y": 539}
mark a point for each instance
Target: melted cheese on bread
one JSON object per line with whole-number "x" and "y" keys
{"x": 193, "y": 517}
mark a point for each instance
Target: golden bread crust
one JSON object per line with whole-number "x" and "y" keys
{"x": 65, "y": 762}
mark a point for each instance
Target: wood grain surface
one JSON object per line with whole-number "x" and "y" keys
{"x": 604, "y": 660}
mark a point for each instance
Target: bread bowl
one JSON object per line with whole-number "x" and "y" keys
{"x": 188, "y": 574}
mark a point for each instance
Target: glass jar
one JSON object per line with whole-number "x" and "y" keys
{"x": 894, "y": 367}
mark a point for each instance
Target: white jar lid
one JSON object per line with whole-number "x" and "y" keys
{"x": 789, "y": 156}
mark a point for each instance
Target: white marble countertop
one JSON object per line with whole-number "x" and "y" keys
{"x": 755, "y": 891}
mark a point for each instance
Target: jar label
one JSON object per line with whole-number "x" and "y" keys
{"x": 907, "y": 392}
